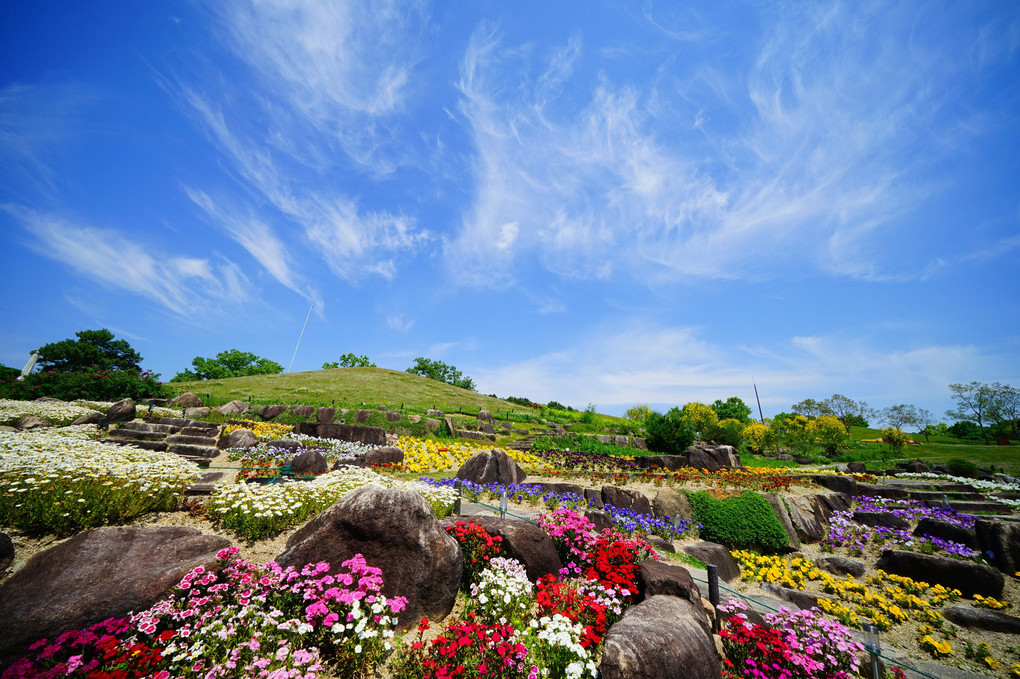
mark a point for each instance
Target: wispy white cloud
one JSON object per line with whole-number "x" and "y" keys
{"x": 637, "y": 361}
{"x": 183, "y": 285}
{"x": 816, "y": 154}
{"x": 399, "y": 322}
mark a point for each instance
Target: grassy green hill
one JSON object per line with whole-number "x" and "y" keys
{"x": 348, "y": 387}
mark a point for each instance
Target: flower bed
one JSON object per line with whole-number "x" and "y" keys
{"x": 428, "y": 455}
{"x": 61, "y": 481}
{"x": 58, "y": 414}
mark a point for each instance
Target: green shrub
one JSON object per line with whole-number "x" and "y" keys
{"x": 91, "y": 385}
{"x": 668, "y": 433}
{"x": 728, "y": 432}
{"x": 745, "y": 521}
{"x": 964, "y": 468}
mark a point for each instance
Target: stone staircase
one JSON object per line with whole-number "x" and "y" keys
{"x": 191, "y": 439}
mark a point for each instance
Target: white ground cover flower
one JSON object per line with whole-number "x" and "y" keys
{"x": 61, "y": 480}
{"x": 255, "y": 511}
{"x": 54, "y": 413}
{"x": 503, "y": 594}
{"x": 975, "y": 483}
{"x": 557, "y": 646}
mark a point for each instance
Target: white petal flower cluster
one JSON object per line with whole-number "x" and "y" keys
{"x": 503, "y": 592}
{"x": 54, "y": 413}
{"x": 558, "y": 641}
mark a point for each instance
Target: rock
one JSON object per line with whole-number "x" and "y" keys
{"x": 195, "y": 413}
{"x": 562, "y": 488}
{"x": 602, "y": 519}
{"x": 325, "y": 415}
{"x": 233, "y": 408}
{"x": 362, "y": 416}
{"x": 6, "y": 552}
{"x": 292, "y": 445}
{"x": 29, "y": 422}
{"x": 594, "y": 497}
{"x": 271, "y": 411}
{"x": 309, "y": 463}
{"x": 856, "y": 467}
{"x": 841, "y": 565}
{"x": 438, "y": 414}
{"x": 967, "y": 576}
{"x": 809, "y": 517}
{"x": 485, "y": 416}
{"x": 98, "y": 574}
{"x": 661, "y": 544}
{"x": 91, "y": 417}
{"x": 506, "y": 426}
{"x": 603, "y": 438}
{"x": 947, "y": 530}
{"x": 186, "y": 400}
{"x": 670, "y": 462}
{"x": 486, "y": 428}
{"x": 640, "y": 443}
{"x": 396, "y": 531}
{"x": 394, "y": 416}
{"x": 621, "y": 441}
{"x": 803, "y": 460}
{"x": 431, "y": 424}
{"x": 625, "y": 498}
{"x": 121, "y": 410}
{"x": 663, "y": 637}
{"x": 884, "y": 519}
{"x": 525, "y": 542}
{"x": 657, "y": 577}
{"x": 384, "y": 455}
{"x": 1001, "y": 541}
{"x": 716, "y": 554}
{"x": 840, "y": 484}
{"x": 918, "y": 468}
{"x": 779, "y": 509}
{"x": 669, "y": 503}
{"x": 976, "y": 618}
{"x": 700, "y": 458}
{"x": 303, "y": 411}
{"x": 785, "y": 457}
{"x": 489, "y": 466}
{"x": 879, "y": 490}
{"x": 239, "y": 438}
{"x": 372, "y": 436}
{"x": 414, "y": 419}
{"x": 799, "y": 598}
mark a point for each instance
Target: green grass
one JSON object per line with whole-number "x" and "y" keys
{"x": 940, "y": 450}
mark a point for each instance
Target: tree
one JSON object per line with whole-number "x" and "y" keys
{"x": 700, "y": 418}
{"x": 441, "y": 372}
{"x": 232, "y": 363}
{"x": 895, "y": 439}
{"x": 899, "y": 416}
{"x": 850, "y": 412}
{"x": 93, "y": 348}
{"x": 639, "y": 413}
{"x": 811, "y": 408}
{"x": 350, "y": 361}
{"x": 925, "y": 422}
{"x": 791, "y": 429}
{"x": 732, "y": 409}
{"x": 973, "y": 401}
{"x": 829, "y": 432}
{"x": 668, "y": 433}
{"x": 1005, "y": 408}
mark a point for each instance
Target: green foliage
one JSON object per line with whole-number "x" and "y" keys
{"x": 350, "y": 361}
{"x": 745, "y": 521}
{"x": 588, "y": 416}
{"x": 668, "y": 433}
{"x": 895, "y": 439}
{"x": 94, "y": 349}
{"x": 700, "y": 418}
{"x": 965, "y": 430}
{"x": 579, "y": 444}
{"x": 964, "y": 468}
{"x": 973, "y": 402}
{"x": 850, "y": 412}
{"x": 639, "y": 413}
{"x": 728, "y": 432}
{"x": 91, "y": 385}
{"x": 9, "y": 373}
{"x": 791, "y": 430}
{"x": 441, "y": 372}
{"x": 811, "y": 408}
{"x": 732, "y": 409}
{"x": 556, "y": 405}
{"x": 232, "y": 363}
{"x": 830, "y": 433}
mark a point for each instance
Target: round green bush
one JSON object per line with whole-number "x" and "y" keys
{"x": 964, "y": 468}
{"x": 745, "y": 521}
{"x": 668, "y": 433}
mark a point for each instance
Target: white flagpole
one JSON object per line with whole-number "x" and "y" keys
{"x": 300, "y": 337}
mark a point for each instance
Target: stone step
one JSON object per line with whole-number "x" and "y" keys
{"x": 935, "y": 497}
{"x": 981, "y": 507}
{"x": 212, "y": 430}
{"x": 150, "y": 427}
{"x": 158, "y": 446}
{"x": 191, "y": 451}
{"x": 192, "y": 440}
{"x": 133, "y": 435}
{"x": 179, "y": 422}
{"x": 199, "y": 490}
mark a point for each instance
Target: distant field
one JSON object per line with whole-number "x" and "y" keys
{"x": 348, "y": 387}
{"x": 942, "y": 449}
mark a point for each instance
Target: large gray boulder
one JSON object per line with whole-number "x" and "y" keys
{"x": 485, "y": 416}
{"x": 309, "y": 463}
{"x": 372, "y": 436}
{"x": 713, "y": 553}
{"x": 303, "y": 411}
{"x": 6, "y": 551}
{"x": 883, "y": 519}
{"x": 121, "y": 410}
{"x": 91, "y": 417}
{"x": 489, "y": 466}
{"x": 1002, "y": 540}
{"x": 663, "y": 637}
{"x": 522, "y": 541}
{"x": 668, "y": 502}
{"x": 670, "y": 462}
{"x": 186, "y": 400}
{"x": 658, "y": 577}
{"x": 396, "y": 531}
{"x": 841, "y": 565}
{"x": 325, "y": 414}
{"x": 239, "y": 438}
{"x": 271, "y": 411}
{"x": 976, "y": 618}
{"x": 783, "y": 514}
{"x": 809, "y": 517}
{"x": 232, "y": 408}
{"x": 98, "y": 574}
{"x": 29, "y": 422}
{"x": 384, "y": 455}
{"x": 625, "y": 498}
{"x": 967, "y": 576}
{"x": 947, "y": 530}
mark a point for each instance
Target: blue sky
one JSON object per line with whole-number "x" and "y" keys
{"x": 593, "y": 202}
